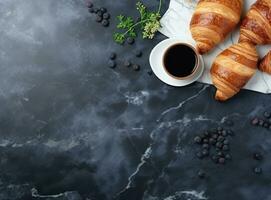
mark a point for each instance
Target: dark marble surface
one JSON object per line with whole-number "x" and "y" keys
{"x": 73, "y": 129}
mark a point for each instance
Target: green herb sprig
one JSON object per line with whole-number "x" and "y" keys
{"x": 149, "y": 24}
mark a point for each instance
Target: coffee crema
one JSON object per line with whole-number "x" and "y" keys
{"x": 180, "y": 60}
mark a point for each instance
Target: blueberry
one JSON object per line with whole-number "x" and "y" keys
{"x": 91, "y": 10}
{"x": 103, "y": 10}
{"x": 96, "y": 10}
{"x": 224, "y": 133}
{"x": 220, "y": 154}
{"x": 220, "y": 139}
{"x": 136, "y": 67}
{"x": 199, "y": 155}
{"x": 205, "y": 146}
{"x": 197, "y": 140}
{"x": 221, "y": 160}
{"x": 89, "y": 4}
{"x": 111, "y": 64}
{"x": 150, "y": 72}
{"x": 261, "y": 122}
{"x": 201, "y": 174}
{"x": 206, "y": 141}
{"x": 267, "y": 114}
{"x": 113, "y": 56}
{"x": 219, "y": 145}
{"x": 127, "y": 63}
{"x": 257, "y": 170}
{"x": 106, "y": 16}
{"x": 257, "y": 156}
{"x": 212, "y": 141}
{"x": 98, "y": 19}
{"x": 228, "y": 157}
{"x": 226, "y": 142}
{"x": 255, "y": 121}
{"x": 215, "y": 158}
{"x": 230, "y": 132}
{"x": 130, "y": 40}
{"x": 215, "y": 136}
{"x": 219, "y": 128}
{"x": 105, "y": 23}
{"x": 206, "y": 133}
{"x": 225, "y": 148}
{"x": 99, "y": 13}
{"x": 205, "y": 152}
{"x": 138, "y": 53}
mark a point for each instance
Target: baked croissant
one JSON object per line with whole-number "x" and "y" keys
{"x": 256, "y": 26}
{"x": 233, "y": 68}
{"x": 265, "y": 64}
{"x": 213, "y": 20}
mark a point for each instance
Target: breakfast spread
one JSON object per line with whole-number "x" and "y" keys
{"x": 232, "y": 68}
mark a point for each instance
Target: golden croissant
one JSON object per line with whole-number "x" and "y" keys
{"x": 233, "y": 68}
{"x": 265, "y": 64}
{"x": 256, "y": 26}
{"x": 213, "y": 20}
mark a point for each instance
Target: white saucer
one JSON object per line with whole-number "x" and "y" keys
{"x": 156, "y": 62}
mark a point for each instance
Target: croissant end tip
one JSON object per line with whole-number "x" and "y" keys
{"x": 219, "y": 96}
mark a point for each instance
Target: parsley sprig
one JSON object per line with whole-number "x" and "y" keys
{"x": 149, "y": 23}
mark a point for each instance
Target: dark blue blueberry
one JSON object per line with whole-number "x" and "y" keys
{"x": 206, "y": 141}
{"x": 112, "y": 64}
{"x": 205, "y": 152}
{"x": 91, "y": 10}
{"x": 224, "y": 133}
{"x": 220, "y": 139}
{"x": 219, "y": 128}
{"x": 113, "y": 56}
{"x": 96, "y": 10}
{"x": 257, "y": 156}
{"x": 199, "y": 155}
{"x": 230, "y": 132}
{"x": 98, "y": 19}
{"x": 257, "y": 170}
{"x": 220, "y": 154}
{"x": 267, "y": 114}
{"x": 127, "y": 63}
{"x": 106, "y": 16}
{"x": 130, "y": 40}
{"x": 212, "y": 141}
{"x": 103, "y": 10}
{"x": 221, "y": 160}
{"x": 206, "y": 133}
{"x": 198, "y": 140}
{"x": 205, "y": 146}
{"x": 99, "y": 13}
{"x": 225, "y": 148}
{"x": 215, "y": 136}
{"x": 226, "y": 142}
{"x": 201, "y": 174}
{"x": 89, "y": 4}
{"x": 255, "y": 121}
{"x": 105, "y": 23}
{"x": 138, "y": 53}
{"x": 228, "y": 157}
{"x": 136, "y": 67}
{"x": 261, "y": 122}
{"x": 219, "y": 145}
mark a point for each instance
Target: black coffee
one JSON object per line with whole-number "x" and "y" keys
{"x": 180, "y": 60}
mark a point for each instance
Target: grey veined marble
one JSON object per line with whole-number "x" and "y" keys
{"x": 73, "y": 129}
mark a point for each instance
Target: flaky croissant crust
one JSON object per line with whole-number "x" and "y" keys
{"x": 213, "y": 20}
{"x": 265, "y": 64}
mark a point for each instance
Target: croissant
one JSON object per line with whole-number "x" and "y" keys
{"x": 265, "y": 64}
{"x": 233, "y": 68}
{"x": 256, "y": 26}
{"x": 213, "y": 20}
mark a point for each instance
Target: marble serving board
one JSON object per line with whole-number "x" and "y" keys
{"x": 175, "y": 23}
